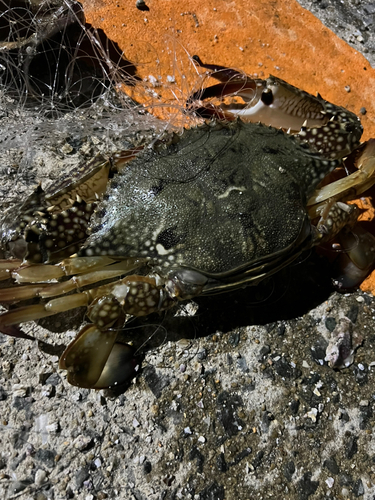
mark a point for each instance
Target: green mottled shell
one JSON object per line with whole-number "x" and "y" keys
{"x": 220, "y": 199}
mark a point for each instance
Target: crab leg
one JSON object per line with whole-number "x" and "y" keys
{"x": 89, "y": 181}
{"x": 7, "y": 266}
{"x": 349, "y": 187}
{"x": 38, "y": 311}
{"x": 67, "y": 267}
{"x": 94, "y": 359}
{"x": 22, "y": 273}
{"x": 135, "y": 295}
{"x": 48, "y": 227}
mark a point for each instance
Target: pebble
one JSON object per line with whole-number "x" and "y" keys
{"x": 330, "y": 481}
{"x": 40, "y": 477}
{"x": 66, "y": 148}
{"x": 53, "y": 427}
{"x": 19, "y": 390}
{"x": 312, "y": 414}
{"x": 141, "y": 5}
{"x": 49, "y": 391}
{"x": 82, "y": 442}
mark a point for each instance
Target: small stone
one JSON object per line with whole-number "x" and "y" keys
{"x": 53, "y": 427}
{"x": 331, "y": 465}
{"x": 330, "y": 481}
{"x": 47, "y": 457}
{"x": 347, "y": 88}
{"x": 66, "y": 148}
{"x": 351, "y": 447}
{"x": 330, "y": 323}
{"x": 306, "y": 487}
{"x": 294, "y": 407}
{"x": 29, "y": 450}
{"x": 81, "y": 475}
{"x": 40, "y": 477}
{"x": 312, "y": 414}
{"x": 141, "y": 5}
{"x": 363, "y": 111}
{"x": 19, "y": 390}
{"x": 49, "y": 391}
{"x": 265, "y": 350}
{"x": 82, "y": 442}
{"x": 289, "y": 470}
{"x": 147, "y": 467}
{"x": 203, "y": 355}
{"x": 358, "y": 489}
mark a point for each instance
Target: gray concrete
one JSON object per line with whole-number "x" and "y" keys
{"x": 235, "y": 402}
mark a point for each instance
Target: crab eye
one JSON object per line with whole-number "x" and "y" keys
{"x": 267, "y": 97}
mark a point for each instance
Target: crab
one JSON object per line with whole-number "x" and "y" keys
{"x": 220, "y": 206}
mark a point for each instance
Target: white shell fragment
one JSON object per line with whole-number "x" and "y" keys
{"x": 342, "y": 345}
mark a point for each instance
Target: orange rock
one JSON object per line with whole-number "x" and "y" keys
{"x": 270, "y": 37}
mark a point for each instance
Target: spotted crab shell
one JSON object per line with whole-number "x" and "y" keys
{"x": 221, "y": 200}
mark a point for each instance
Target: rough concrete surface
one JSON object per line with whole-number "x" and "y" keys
{"x": 233, "y": 402}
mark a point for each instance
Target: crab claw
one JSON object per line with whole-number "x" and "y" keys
{"x": 357, "y": 260}
{"x": 94, "y": 360}
{"x": 278, "y": 104}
